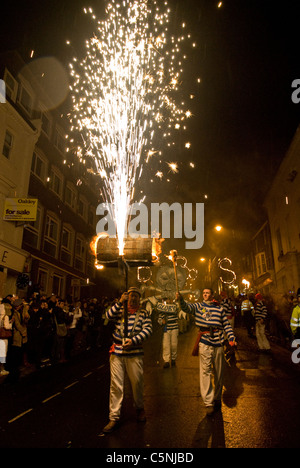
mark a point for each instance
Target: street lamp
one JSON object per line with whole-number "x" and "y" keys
{"x": 218, "y": 228}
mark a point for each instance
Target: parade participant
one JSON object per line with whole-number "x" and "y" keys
{"x": 295, "y": 318}
{"x": 260, "y": 315}
{"x": 213, "y": 324}
{"x": 228, "y": 308}
{"x": 127, "y": 355}
{"x": 247, "y": 309}
{"x": 168, "y": 317}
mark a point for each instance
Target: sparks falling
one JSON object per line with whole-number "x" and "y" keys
{"x": 123, "y": 94}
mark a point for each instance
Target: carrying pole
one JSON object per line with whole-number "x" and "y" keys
{"x": 123, "y": 266}
{"x": 173, "y": 257}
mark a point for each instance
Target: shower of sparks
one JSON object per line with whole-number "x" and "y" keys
{"x": 123, "y": 93}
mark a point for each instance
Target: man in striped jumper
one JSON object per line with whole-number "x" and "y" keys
{"x": 168, "y": 317}
{"x": 213, "y": 325}
{"x": 260, "y": 315}
{"x": 127, "y": 355}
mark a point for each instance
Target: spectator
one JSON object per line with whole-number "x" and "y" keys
{"x": 7, "y": 324}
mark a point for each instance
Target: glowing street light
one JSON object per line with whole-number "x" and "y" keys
{"x": 218, "y": 228}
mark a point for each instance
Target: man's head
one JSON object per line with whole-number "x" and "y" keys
{"x": 207, "y": 294}
{"x": 134, "y": 296}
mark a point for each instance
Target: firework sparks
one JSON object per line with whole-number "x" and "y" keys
{"x": 123, "y": 92}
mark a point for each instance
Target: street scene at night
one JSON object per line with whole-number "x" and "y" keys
{"x": 149, "y": 227}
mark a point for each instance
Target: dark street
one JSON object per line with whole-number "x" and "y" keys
{"x": 67, "y": 406}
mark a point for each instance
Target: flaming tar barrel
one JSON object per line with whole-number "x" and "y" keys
{"x": 135, "y": 249}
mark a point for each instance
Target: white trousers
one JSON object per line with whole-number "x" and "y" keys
{"x": 211, "y": 359}
{"x": 133, "y": 366}
{"x": 262, "y": 340}
{"x": 170, "y": 343}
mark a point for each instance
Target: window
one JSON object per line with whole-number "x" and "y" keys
{"x": 279, "y": 242}
{"x": 80, "y": 252}
{"x": 39, "y": 166}
{"x": 261, "y": 266}
{"x": 59, "y": 140}
{"x": 26, "y": 100}
{"x": 32, "y": 231}
{"x": 57, "y": 285}
{"x": 51, "y": 236}
{"x": 67, "y": 240}
{"x": 46, "y": 124}
{"x": 91, "y": 216}
{"x": 56, "y": 182}
{"x": 42, "y": 280}
{"x": 70, "y": 196}
{"x": 11, "y": 86}
{"x": 8, "y": 144}
{"x": 82, "y": 207}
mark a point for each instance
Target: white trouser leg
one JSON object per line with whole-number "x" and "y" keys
{"x": 174, "y": 343}
{"x": 210, "y": 356}
{"x": 135, "y": 372}
{"x": 262, "y": 340}
{"x": 117, "y": 374}
{"x": 166, "y": 346}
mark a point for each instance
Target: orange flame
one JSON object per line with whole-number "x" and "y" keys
{"x": 156, "y": 248}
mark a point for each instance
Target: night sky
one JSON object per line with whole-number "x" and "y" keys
{"x": 243, "y": 121}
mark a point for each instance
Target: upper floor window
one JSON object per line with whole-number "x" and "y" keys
{"x": 25, "y": 99}
{"x": 82, "y": 207}
{"x": 67, "y": 241}
{"x": 70, "y": 196}
{"x": 80, "y": 253}
{"x": 91, "y": 216}
{"x": 261, "y": 265}
{"x": 56, "y": 182}
{"x": 11, "y": 86}
{"x": 8, "y": 144}
{"x": 46, "y": 124}
{"x": 59, "y": 140}
{"x": 51, "y": 235}
{"x": 39, "y": 166}
{"x": 32, "y": 231}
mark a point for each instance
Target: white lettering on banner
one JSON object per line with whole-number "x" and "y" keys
{"x": 296, "y": 94}
{"x": 296, "y": 353}
{"x": 184, "y": 217}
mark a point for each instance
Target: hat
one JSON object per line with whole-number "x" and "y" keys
{"x": 258, "y": 297}
{"x": 133, "y": 289}
{"x": 17, "y": 302}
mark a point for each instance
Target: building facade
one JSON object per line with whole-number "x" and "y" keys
{"x": 19, "y": 133}
{"x": 263, "y": 274}
{"x": 36, "y": 165}
{"x": 283, "y": 207}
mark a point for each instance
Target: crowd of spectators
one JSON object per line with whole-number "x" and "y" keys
{"x": 49, "y": 330}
